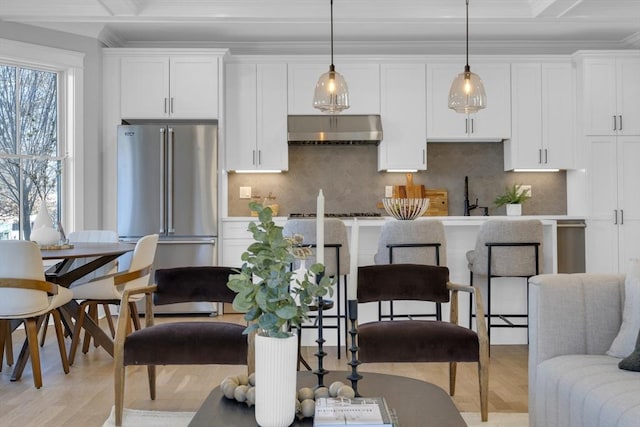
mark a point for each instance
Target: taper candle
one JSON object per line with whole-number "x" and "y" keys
{"x": 352, "y": 288}
{"x": 320, "y": 228}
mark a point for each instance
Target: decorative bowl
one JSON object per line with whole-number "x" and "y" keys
{"x": 405, "y": 208}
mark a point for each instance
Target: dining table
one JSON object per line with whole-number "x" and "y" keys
{"x": 64, "y": 272}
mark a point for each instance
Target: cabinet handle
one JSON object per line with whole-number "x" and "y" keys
{"x": 615, "y": 123}
{"x": 165, "y": 105}
{"x": 472, "y": 129}
{"x": 253, "y": 158}
{"x": 424, "y": 156}
{"x": 540, "y": 155}
{"x": 466, "y": 125}
{"x": 171, "y": 105}
{"x": 259, "y": 157}
{"x": 615, "y": 217}
{"x": 621, "y": 216}
{"x": 546, "y": 156}
{"x": 620, "y": 116}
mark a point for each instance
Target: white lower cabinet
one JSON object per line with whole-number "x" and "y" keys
{"x": 613, "y": 224}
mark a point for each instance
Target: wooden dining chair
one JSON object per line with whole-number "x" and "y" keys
{"x": 421, "y": 340}
{"x": 26, "y": 296}
{"x": 109, "y": 289}
{"x": 181, "y": 342}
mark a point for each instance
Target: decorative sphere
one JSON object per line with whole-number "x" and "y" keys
{"x": 232, "y": 378}
{"x": 228, "y": 389}
{"x": 240, "y": 393}
{"x": 305, "y": 393}
{"x": 321, "y": 392}
{"x": 334, "y": 387}
{"x": 346, "y": 391}
{"x": 252, "y": 379}
{"x": 251, "y": 396}
{"x": 243, "y": 379}
{"x": 308, "y": 407}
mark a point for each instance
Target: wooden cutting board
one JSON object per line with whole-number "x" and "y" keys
{"x": 438, "y": 202}
{"x": 408, "y": 191}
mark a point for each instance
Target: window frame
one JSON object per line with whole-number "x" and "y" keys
{"x": 70, "y": 66}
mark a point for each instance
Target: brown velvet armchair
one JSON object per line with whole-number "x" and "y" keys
{"x": 421, "y": 340}
{"x": 177, "y": 343}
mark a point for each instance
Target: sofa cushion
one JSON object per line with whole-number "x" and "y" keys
{"x": 586, "y": 391}
{"x": 632, "y": 361}
{"x": 624, "y": 342}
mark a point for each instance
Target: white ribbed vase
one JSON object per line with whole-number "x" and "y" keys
{"x": 275, "y": 380}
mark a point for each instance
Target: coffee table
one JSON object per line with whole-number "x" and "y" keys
{"x": 417, "y": 403}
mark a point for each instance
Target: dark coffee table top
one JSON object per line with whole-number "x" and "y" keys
{"x": 417, "y": 403}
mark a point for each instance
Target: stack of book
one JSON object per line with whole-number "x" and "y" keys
{"x": 358, "y": 411}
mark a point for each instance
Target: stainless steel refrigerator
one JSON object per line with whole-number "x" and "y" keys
{"x": 167, "y": 184}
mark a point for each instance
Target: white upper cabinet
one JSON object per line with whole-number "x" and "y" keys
{"x": 363, "y": 81}
{"x": 490, "y": 124}
{"x": 256, "y": 117}
{"x": 163, "y": 86}
{"x": 542, "y": 115}
{"x": 611, "y": 87}
{"x": 403, "y": 111}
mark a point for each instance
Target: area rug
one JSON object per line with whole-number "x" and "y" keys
{"x": 139, "y": 418}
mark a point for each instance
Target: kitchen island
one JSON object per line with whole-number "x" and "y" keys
{"x": 461, "y": 231}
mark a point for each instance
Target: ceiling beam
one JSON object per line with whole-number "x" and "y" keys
{"x": 121, "y": 7}
{"x": 552, "y": 8}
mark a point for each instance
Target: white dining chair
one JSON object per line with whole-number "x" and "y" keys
{"x": 110, "y": 288}
{"x": 26, "y": 296}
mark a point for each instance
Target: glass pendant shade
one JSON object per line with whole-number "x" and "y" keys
{"x": 331, "y": 95}
{"x": 467, "y": 93}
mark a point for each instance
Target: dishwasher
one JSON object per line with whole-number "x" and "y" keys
{"x": 571, "y": 246}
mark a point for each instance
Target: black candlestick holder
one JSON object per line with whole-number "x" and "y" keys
{"x": 354, "y": 377}
{"x": 320, "y": 372}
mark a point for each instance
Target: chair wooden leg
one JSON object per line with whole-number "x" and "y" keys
{"x": 135, "y": 317}
{"x": 453, "y": 368}
{"x": 107, "y": 313}
{"x": 151, "y": 371}
{"x": 34, "y": 352}
{"x": 483, "y": 377}
{"x": 8, "y": 344}
{"x": 93, "y": 314}
{"x": 4, "y": 335}
{"x": 57, "y": 323}
{"x": 118, "y": 382}
{"x": 77, "y": 330}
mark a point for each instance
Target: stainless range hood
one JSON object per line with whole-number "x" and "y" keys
{"x": 334, "y": 129}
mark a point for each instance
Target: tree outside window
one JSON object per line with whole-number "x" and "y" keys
{"x": 30, "y": 160}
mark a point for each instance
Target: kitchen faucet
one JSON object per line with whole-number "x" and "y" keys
{"x": 469, "y": 207}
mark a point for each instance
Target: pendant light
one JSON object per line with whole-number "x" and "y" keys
{"x": 467, "y": 90}
{"x": 331, "y": 94}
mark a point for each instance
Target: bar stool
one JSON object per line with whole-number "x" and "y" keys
{"x": 412, "y": 242}
{"x": 336, "y": 241}
{"x": 506, "y": 248}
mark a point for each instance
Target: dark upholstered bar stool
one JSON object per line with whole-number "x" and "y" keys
{"x": 412, "y": 242}
{"x": 336, "y": 260}
{"x": 506, "y": 248}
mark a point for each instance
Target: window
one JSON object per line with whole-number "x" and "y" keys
{"x": 30, "y": 160}
{"x": 40, "y": 124}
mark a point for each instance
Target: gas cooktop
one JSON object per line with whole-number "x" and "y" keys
{"x": 338, "y": 215}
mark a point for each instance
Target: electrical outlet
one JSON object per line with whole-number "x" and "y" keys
{"x": 526, "y": 190}
{"x": 388, "y": 191}
{"x": 245, "y": 192}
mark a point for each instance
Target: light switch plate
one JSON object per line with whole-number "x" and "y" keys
{"x": 526, "y": 190}
{"x": 245, "y": 192}
{"x": 388, "y": 191}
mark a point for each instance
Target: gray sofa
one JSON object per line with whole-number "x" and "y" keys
{"x": 573, "y": 318}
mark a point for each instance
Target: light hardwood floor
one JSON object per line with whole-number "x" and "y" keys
{"x": 84, "y": 397}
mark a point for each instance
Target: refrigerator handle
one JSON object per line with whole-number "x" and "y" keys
{"x": 170, "y": 229}
{"x": 163, "y": 219}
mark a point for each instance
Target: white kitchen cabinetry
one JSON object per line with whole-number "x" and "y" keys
{"x": 403, "y": 110}
{"x": 613, "y": 224}
{"x": 256, "y": 117}
{"x": 363, "y": 81}
{"x": 490, "y": 124}
{"x": 542, "y": 117}
{"x": 611, "y": 92}
{"x": 161, "y": 86}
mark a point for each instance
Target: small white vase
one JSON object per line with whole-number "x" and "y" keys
{"x": 514, "y": 209}
{"x": 275, "y": 380}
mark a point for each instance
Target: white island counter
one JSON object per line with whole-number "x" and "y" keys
{"x": 461, "y": 232}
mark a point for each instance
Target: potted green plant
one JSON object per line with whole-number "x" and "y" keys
{"x": 513, "y": 197}
{"x": 274, "y": 298}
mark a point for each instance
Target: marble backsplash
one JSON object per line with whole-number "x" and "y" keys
{"x": 350, "y": 181}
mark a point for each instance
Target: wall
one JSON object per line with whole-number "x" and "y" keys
{"x": 92, "y": 112}
{"x": 350, "y": 181}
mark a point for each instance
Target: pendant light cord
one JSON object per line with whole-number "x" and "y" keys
{"x": 332, "y": 66}
{"x": 467, "y": 1}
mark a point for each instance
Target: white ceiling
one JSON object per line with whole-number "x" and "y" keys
{"x": 360, "y": 26}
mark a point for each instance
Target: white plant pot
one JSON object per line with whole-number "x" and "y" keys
{"x": 275, "y": 380}
{"x": 514, "y": 209}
